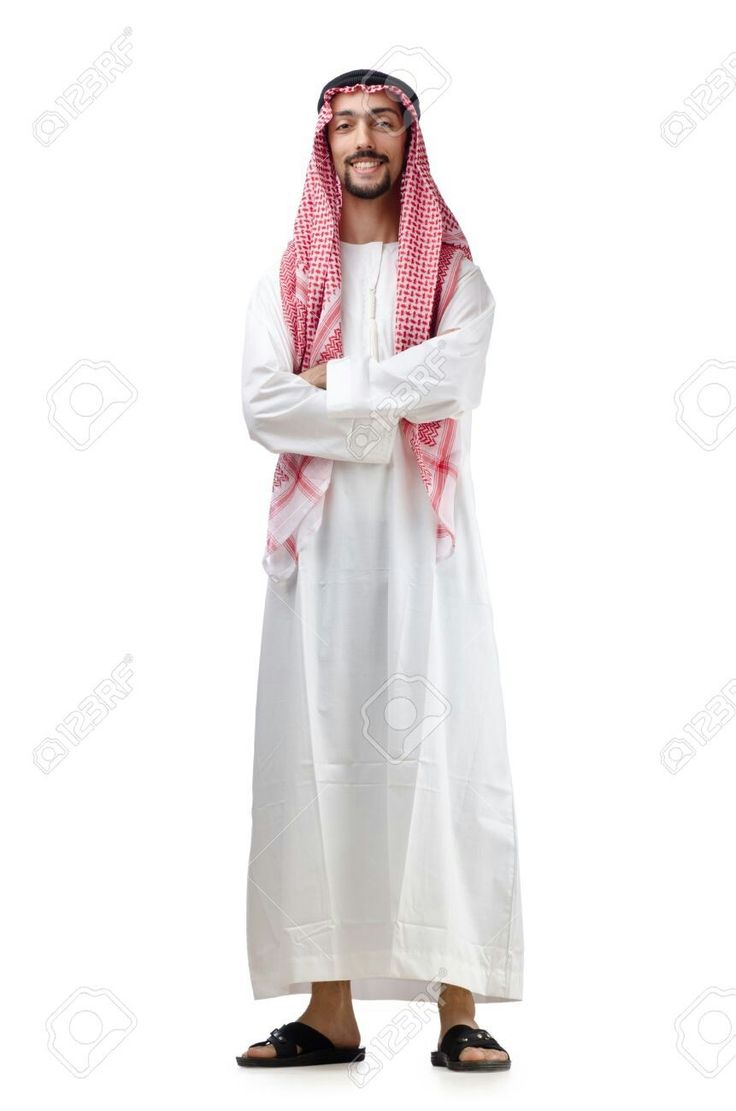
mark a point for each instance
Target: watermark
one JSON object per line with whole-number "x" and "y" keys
{"x": 419, "y": 69}
{"x": 78, "y": 724}
{"x": 83, "y": 92}
{"x": 305, "y": 935}
{"x": 85, "y": 401}
{"x": 418, "y": 384}
{"x": 705, "y": 405}
{"x": 702, "y": 102}
{"x": 396, "y": 1035}
{"x": 401, "y": 714}
{"x": 86, "y": 1028}
{"x": 702, "y": 728}
{"x": 363, "y": 437}
{"x": 706, "y": 1031}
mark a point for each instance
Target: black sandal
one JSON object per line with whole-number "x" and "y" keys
{"x": 317, "y": 1049}
{"x": 457, "y": 1039}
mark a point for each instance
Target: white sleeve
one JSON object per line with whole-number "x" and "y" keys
{"x": 285, "y": 413}
{"x": 441, "y": 377}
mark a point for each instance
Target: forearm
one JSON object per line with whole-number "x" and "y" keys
{"x": 442, "y": 377}
{"x": 285, "y": 413}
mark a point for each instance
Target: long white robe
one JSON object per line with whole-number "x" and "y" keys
{"x": 384, "y": 846}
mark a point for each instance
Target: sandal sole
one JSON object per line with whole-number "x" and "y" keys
{"x": 316, "y": 1057}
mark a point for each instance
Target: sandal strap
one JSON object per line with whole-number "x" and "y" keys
{"x": 286, "y": 1038}
{"x": 281, "y": 1045}
{"x": 284, "y": 1045}
{"x": 460, "y": 1036}
{"x": 307, "y": 1037}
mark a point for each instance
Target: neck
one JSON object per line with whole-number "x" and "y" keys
{"x": 364, "y": 220}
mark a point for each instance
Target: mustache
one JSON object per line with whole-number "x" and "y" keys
{"x": 366, "y": 158}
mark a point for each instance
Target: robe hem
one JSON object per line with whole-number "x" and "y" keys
{"x": 396, "y": 976}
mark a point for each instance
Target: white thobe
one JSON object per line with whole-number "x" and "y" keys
{"x": 384, "y": 847}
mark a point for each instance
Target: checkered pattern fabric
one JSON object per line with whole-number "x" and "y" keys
{"x": 430, "y": 252}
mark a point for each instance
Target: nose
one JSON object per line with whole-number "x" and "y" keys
{"x": 362, "y": 136}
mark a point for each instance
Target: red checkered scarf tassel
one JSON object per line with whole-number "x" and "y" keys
{"x": 431, "y": 249}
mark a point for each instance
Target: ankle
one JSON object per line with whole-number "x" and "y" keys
{"x": 334, "y": 994}
{"x": 455, "y": 1000}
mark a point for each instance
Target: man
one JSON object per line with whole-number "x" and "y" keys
{"x": 383, "y": 861}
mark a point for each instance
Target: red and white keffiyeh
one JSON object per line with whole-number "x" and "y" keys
{"x": 430, "y": 253}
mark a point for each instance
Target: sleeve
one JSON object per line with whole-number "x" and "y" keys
{"x": 285, "y": 413}
{"x": 442, "y": 377}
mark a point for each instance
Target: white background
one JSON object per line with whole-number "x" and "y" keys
{"x": 136, "y": 238}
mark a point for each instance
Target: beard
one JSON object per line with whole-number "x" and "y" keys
{"x": 360, "y": 188}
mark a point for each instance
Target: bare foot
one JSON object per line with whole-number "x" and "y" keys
{"x": 330, "y": 1010}
{"x": 457, "y": 1005}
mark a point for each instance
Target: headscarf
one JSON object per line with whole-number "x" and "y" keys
{"x": 430, "y": 253}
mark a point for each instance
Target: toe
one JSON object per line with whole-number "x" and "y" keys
{"x": 260, "y": 1051}
{"x": 264, "y": 1051}
{"x": 474, "y": 1053}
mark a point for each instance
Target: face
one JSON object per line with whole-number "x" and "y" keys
{"x": 368, "y": 140}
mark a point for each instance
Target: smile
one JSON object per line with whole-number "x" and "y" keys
{"x": 365, "y": 167}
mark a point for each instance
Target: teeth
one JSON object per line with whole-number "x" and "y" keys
{"x": 365, "y": 165}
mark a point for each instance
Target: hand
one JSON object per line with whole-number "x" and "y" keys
{"x": 316, "y": 375}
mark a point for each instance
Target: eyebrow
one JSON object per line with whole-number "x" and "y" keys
{"x": 370, "y": 112}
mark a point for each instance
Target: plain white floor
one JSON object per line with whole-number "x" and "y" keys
{"x": 135, "y": 230}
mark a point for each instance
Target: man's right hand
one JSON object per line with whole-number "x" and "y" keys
{"x": 316, "y": 375}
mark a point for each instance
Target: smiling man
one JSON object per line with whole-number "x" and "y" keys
{"x": 360, "y": 174}
{"x": 383, "y": 860}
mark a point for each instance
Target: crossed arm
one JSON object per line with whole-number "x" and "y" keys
{"x": 441, "y": 377}
{"x": 317, "y": 375}
{"x": 283, "y": 410}
{"x": 318, "y": 411}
